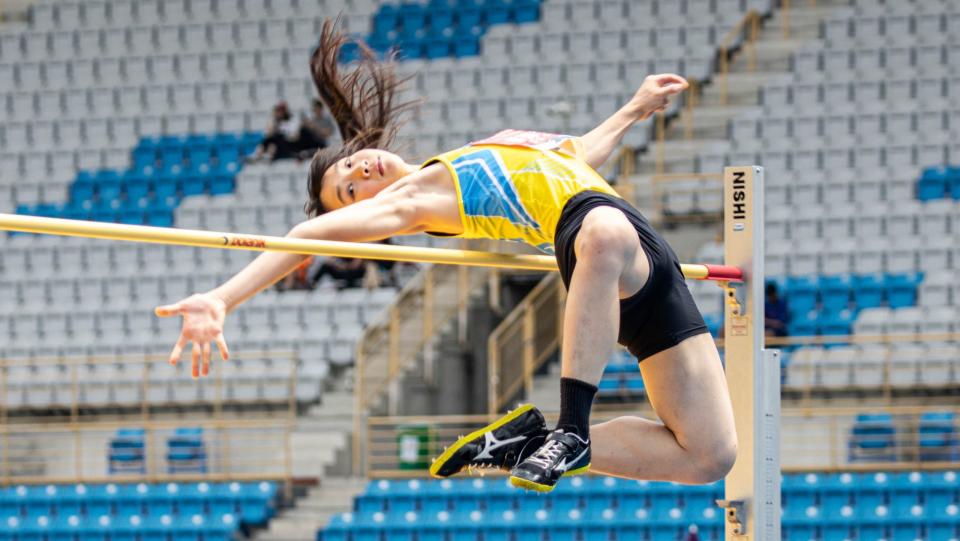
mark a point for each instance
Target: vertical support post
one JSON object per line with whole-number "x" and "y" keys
{"x": 528, "y": 349}
{"x": 753, "y": 374}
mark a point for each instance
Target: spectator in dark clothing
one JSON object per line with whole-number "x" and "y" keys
{"x": 299, "y": 279}
{"x": 280, "y": 138}
{"x": 347, "y": 272}
{"x": 693, "y": 533}
{"x": 776, "y": 312}
{"x": 315, "y": 131}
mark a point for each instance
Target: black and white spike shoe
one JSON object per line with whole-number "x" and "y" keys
{"x": 501, "y": 444}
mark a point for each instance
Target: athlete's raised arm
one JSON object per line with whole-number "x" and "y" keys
{"x": 394, "y": 211}
{"x": 652, "y": 96}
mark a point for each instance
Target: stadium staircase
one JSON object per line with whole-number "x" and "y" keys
{"x": 710, "y": 116}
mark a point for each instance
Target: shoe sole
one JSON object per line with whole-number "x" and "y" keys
{"x": 469, "y": 438}
{"x": 520, "y": 482}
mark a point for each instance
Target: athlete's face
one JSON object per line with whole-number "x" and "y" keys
{"x": 360, "y": 176}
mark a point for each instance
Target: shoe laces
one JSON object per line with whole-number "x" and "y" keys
{"x": 548, "y": 454}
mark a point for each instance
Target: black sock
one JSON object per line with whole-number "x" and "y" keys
{"x": 576, "y": 400}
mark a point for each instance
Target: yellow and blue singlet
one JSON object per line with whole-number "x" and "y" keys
{"x": 514, "y": 185}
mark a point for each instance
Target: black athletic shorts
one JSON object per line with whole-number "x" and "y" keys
{"x": 659, "y": 316}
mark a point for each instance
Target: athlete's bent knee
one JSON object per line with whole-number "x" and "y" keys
{"x": 606, "y": 232}
{"x": 714, "y": 464}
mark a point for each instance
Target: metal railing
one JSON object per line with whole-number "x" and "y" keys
{"x": 813, "y": 439}
{"x": 523, "y": 341}
{"x": 398, "y": 341}
{"x": 68, "y": 441}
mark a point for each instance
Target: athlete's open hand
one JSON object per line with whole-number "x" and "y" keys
{"x": 655, "y": 93}
{"x": 203, "y": 316}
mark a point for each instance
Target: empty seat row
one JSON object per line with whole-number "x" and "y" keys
{"x": 843, "y": 220}
{"x": 620, "y": 14}
{"x": 864, "y": 192}
{"x": 146, "y": 40}
{"x": 875, "y": 97}
{"x": 851, "y": 255}
{"x": 163, "y": 389}
{"x": 819, "y": 159}
{"x": 889, "y": 126}
{"x": 875, "y": 61}
{"x": 931, "y": 27}
{"x": 97, "y": 14}
{"x": 55, "y": 103}
{"x": 873, "y": 365}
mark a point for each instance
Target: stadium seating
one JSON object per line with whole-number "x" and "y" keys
{"x": 815, "y": 506}
{"x": 205, "y": 511}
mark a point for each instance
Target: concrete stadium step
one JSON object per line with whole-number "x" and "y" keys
{"x": 300, "y": 523}
{"x": 679, "y": 156}
{"x": 709, "y": 122}
{"x": 321, "y": 437}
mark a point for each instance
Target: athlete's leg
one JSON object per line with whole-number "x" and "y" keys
{"x": 611, "y": 265}
{"x": 696, "y": 443}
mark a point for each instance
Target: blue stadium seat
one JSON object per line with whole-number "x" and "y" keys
{"x": 837, "y": 532}
{"x": 135, "y": 185}
{"x": 801, "y": 294}
{"x": 413, "y": 18}
{"x": 157, "y": 528}
{"x": 938, "y": 437}
{"x": 838, "y": 324}
{"x": 82, "y": 188}
{"x": 906, "y": 532}
{"x": 935, "y": 183}
{"x": 95, "y": 529}
{"x": 525, "y": 11}
{"x": 835, "y": 292}
{"x": 496, "y": 12}
{"x": 133, "y": 499}
{"x": 172, "y": 152}
{"x": 804, "y": 325}
{"x": 868, "y": 290}
{"x": 798, "y": 532}
{"x": 901, "y": 289}
{"x": 223, "y": 177}
{"x": 219, "y": 528}
{"x": 126, "y": 528}
{"x": 64, "y": 528}
{"x": 386, "y": 19}
{"x": 467, "y": 41}
{"x": 256, "y": 502}
{"x": 102, "y": 500}
{"x": 440, "y": 19}
{"x": 872, "y": 438}
{"x": 438, "y": 45}
{"x": 942, "y": 531}
{"x": 108, "y": 184}
{"x": 186, "y": 451}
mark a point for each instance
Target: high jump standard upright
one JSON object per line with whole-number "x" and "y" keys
{"x": 752, "y": 504}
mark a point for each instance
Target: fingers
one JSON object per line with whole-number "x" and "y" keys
{"x": 195, "y": 360}
{"x": 665, "y": 79}
{"x": 205, "y": 371}
{"x": 177, "y": 350}
{"x": 168, "y": 310}
{"x": 222, "y": 346}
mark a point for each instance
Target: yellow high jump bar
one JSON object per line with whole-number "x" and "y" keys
{"x": 264, "y": 243}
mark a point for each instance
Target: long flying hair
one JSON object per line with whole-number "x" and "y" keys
{"x": 362, "y": 101}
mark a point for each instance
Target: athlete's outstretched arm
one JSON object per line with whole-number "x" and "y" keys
{"x": 392, "y": 212}
{"x": 652, "y": 96}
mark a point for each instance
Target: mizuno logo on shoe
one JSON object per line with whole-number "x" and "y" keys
{"x": 563, "y": 466}
{"x": 491, "y": 444}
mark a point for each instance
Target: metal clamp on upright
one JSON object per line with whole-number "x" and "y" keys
{"x": 734, "y": 511}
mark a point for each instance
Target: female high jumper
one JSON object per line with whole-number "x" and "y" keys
{"x": 624, "y": 281}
